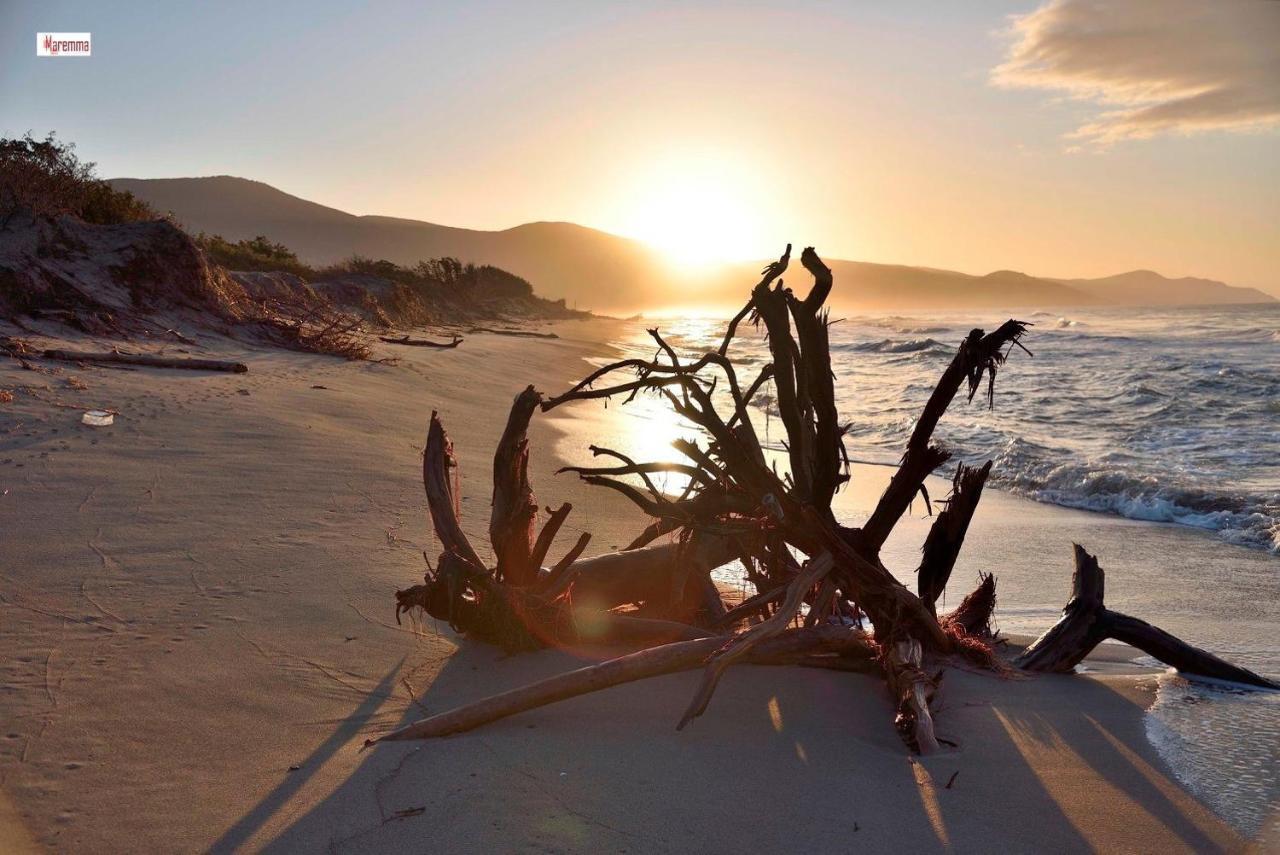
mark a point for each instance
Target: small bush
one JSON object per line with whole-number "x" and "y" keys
{"x": 258, "y": 254}
{"x": 44, "y": 178}
{"x": 104, "y": 205}
{"x": 437, "y": 277}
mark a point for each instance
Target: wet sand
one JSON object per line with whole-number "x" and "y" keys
{"x": 197, "y": 619}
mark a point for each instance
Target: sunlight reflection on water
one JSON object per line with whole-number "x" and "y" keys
{"x": 1223, "y": 743}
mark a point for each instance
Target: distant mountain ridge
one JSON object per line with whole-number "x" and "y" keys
{"x": 606, "y": 272}
{"x": 1141, "y": 287}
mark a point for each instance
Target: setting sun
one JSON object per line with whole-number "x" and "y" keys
{"x": 698, "y": 210}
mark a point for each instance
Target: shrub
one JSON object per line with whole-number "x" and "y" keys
{"x": 260, "y": 254}
{"x": 435, "y": 277}
{"x": 44, "y": 178}
{"x": 105, "y": 205}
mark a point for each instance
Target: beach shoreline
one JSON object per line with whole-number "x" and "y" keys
{"x": 198, "y": 602}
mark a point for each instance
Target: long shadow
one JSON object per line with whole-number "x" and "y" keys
{"x": 505, "y": 779}
{"x": 1081, "y": 731}
{"x": 238, "y": 834}
{"x": 503, "y": 783}
{"x": 468, "y": 674}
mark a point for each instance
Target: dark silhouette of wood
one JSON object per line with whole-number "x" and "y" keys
{"x": 519, "y": 606}
{"x": 752, "y": 606}
{"x": 542, "y": 545}
{"x": 1081, "y": 627}
{"x": 521, "y": 333}
{"x": 444, "y": 499}
{"x": 942, "y": 546}
{"x": 1086, "y": 622}
{"x": 422, "y": 342}
{"x": 978, "y": 355}
{"x": 515, "y": 511}
{"x": 737, "y": 489}
{"x": 736, "y": 504}
{"x": 115, "y": 357}
{"x": 973, "y": 615}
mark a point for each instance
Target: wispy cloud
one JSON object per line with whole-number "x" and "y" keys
{"x": 1152, "y": 66}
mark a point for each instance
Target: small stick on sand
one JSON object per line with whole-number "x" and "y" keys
{"x": 526, "y": 333}
{"x": 422, "y": 342}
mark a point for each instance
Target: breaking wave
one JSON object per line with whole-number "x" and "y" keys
{"x": 1238, "y": 517}
{"x": 889, "y": 345}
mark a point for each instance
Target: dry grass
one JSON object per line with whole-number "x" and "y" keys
{"x": 315, "y": 328}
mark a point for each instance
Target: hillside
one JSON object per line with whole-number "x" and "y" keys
{"x": 593, "y": 269}
{"x": 604, "y": 272}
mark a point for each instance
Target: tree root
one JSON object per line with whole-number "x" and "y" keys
{"x": 1086, "y": 622}
{"x": 737, "y": 505}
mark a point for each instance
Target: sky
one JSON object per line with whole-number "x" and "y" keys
{"x": 1072, "y": 138}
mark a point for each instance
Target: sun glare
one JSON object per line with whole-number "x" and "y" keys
{"x": 696, "y": 211}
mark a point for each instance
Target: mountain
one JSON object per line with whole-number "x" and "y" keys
{"x": 1146, "y": 287}
{"x": 605, "y": 272}
{"x": 899, "y": 287}
{"x": 594, "y": 269}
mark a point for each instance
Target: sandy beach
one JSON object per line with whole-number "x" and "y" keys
{"x": 197, "y": 618}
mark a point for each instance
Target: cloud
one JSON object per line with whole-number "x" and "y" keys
{"x": 1152, "y": 67}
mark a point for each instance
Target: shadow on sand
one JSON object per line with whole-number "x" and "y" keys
{"x": 809, "y": 761}
{"x": 347, "y": 730}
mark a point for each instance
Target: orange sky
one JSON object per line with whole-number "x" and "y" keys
{"x": 967, "y": 136}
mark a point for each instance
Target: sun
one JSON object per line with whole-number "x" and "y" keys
{"x": 698, "y": 212}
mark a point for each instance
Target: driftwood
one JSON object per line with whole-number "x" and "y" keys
{"x": 912, "y": 689}
{"x": 821, "y": 647}
{"x": 112, "y": 356}
{"x": 973, "y": 616}
{"x": 942, "y": 546}
{"x": 515, "y": 511}
{"x": 521, "y": 605}
{"x": 521, "y": 333}
{"x": 1087, "y": 622}
{"x": 741, "y": 645}
{"x": 422, "y": 342}
{"x": 807, "y": 567}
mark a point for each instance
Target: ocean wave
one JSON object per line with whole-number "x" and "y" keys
{"x": 901, "y": 325}
{"x": 1238, "y": 517}
{"x": 889, "y": 345}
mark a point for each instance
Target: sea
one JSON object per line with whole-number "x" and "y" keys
{"x": 1165, "y": 416}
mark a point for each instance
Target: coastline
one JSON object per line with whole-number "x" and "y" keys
{"x": 199, "y": 609}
